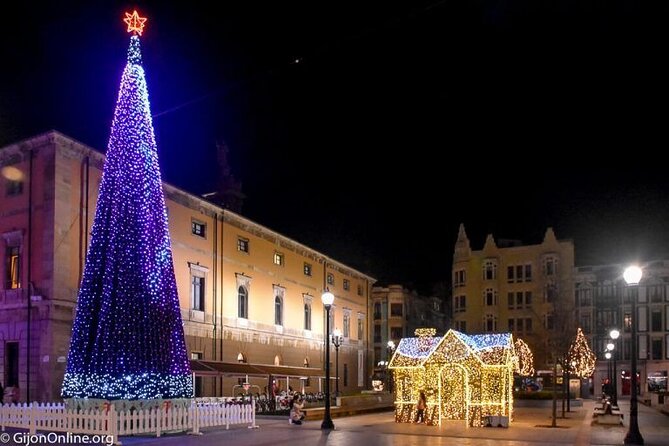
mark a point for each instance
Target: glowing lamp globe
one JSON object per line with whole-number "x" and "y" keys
{"x": 632, "y": 275}
{"x": 327, "y": 298}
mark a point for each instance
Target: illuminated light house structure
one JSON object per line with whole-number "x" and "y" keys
{"x": 128, "y": 340}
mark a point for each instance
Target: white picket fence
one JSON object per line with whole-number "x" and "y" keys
{"x": 54, "y": 417}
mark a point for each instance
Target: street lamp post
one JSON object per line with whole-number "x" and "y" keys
{"x": 611, "y": 347}
{"x": 327, "y": 298}
{"x": 337, "y": 340}
{"x": 607, "y": 355}
{"x": 391, "y": 349}
{"x": 632, "y": 276}
{"x": 614, "y": 334}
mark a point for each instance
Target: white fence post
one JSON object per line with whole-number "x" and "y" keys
{"x": 253, "y": 414}
{"x": 31, "y": 424}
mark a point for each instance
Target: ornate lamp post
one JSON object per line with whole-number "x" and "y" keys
{"x": 614, "y": 334}
{"x": 632, "y": 276}
{"x": 327, "y": 298}
{"x": 337, "y": 340}
{"x": 391, "y": 349}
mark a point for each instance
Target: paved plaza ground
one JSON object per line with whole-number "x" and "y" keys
{"x": 379, "y": 429}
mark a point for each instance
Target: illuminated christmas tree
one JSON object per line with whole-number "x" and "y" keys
{"x": 581, "y": 358}
{"x": 128, "y": 340}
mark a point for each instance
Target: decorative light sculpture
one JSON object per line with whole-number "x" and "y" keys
{"x": 127, "y": 338}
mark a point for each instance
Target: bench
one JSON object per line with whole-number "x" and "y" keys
{"x": 608, "y": 413}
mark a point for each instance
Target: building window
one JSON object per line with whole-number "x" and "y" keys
{"x": 528, "y": 273}
{"x": 197, "y": 291}
{"x": 361, "y": 330}
{"x": 307, "y": 316}
{"x": 12, "y": 267}
{"x": 528, "y": 325}
{"x": 490, "y": 297}
{"x": 11, "y": 364}
{"x": 489, "y": 270}
{"x": 511, "y": 325}
{"x": 461, "y": 326}
{"x": 549, "y": 322}
{"x": 278, "y": 258}
{"x": 307, "y": 269}
{"x": 330, "y": 279}
{"x": 198, "y": 228}
{"x": 656, "y": 348}
{"x": 347, "y": 284}
{"x": 510, "y": 276}
{"x": 278, "y": 311}
{"x": 14, "y": 187}
{"x": 550, "y": 266}
{"x": 490, "y": 323}
{"x": 377, "y": 310}
{"x": 377, "y": 333}
{"x": 459, "y": 278}
{"x": 243, "y": 244}
{"x": 347, "y": 325}
{"x": 459, "y": 304}
{"x": 586, "y": 323}
{"x": 551, "y": 292}
{"x": 345, "y": 375}
{"x": 627, "y": 322}
{"x": 359, "y": 289}
{"x": 656, "y": 321}
{"x": 396, "y": 310}
{"x": 242, "y": 303}
{"x": 396, "y": 333}
{"x": 584, "y": 297}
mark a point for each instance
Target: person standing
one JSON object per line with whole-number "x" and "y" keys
{"x": 420, "y": 407}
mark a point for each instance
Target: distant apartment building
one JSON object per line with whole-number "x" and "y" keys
{"x": 511, "y": 287}
{"x": 397, "y": 312}
{"x": 250, "y": 297}
{"x": 603, "y": 302}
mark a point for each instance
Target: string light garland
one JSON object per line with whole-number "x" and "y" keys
{"x": 525, "y": 365}
{"x": 581, "y": 359}
{"x": 463, "y": 377}
{"x": 127, "y": 338}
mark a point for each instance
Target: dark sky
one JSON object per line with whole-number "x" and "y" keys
{"x": 398, "y": 122}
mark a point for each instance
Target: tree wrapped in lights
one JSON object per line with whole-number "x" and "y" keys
{"x": 525, "y": 365}
{"x": 581, "y": 359}
{"x": 127, "y": 339}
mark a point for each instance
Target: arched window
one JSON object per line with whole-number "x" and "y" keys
{"x": 278, "y": 311}
{"x": 277, "y": 360}
{"x": 242, "y": 303}
{"x": 307, "y": 316}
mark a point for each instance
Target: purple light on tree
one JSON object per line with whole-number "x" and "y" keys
{"x": 127, "y": 339}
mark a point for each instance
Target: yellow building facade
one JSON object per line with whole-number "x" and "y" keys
{"x": 247, "y": 294}
{"x": 526, "y": 290}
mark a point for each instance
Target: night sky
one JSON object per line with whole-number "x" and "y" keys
{"x": 369, "y": 132}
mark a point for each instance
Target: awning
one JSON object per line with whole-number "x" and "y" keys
{"x": 203, "y": 367}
